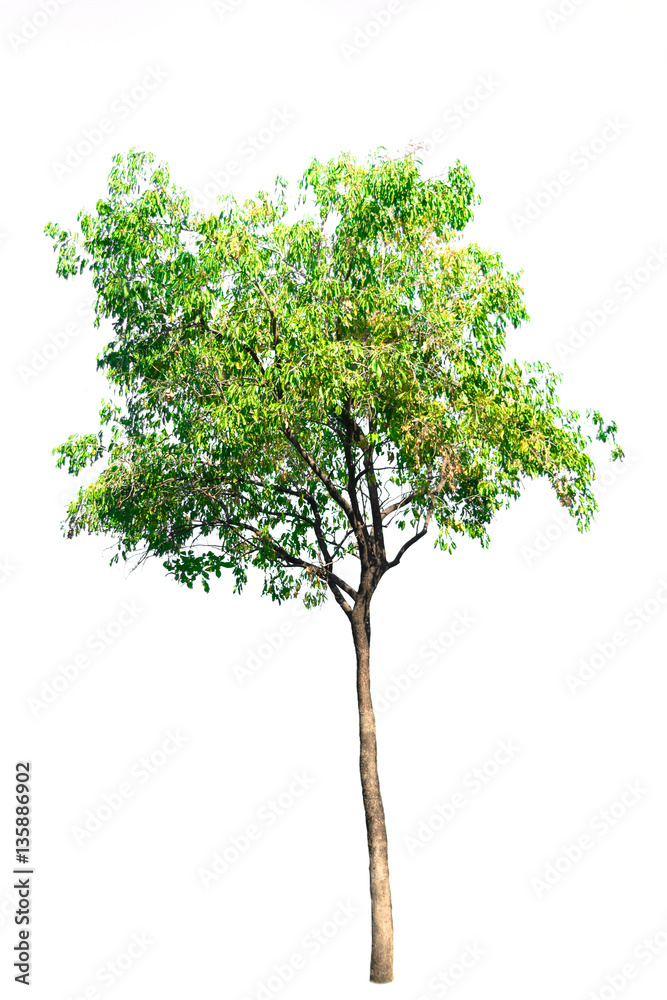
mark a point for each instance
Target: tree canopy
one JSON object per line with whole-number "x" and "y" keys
{"x": 298, "y": 385}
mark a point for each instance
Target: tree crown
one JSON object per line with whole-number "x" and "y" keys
{"x": 293, "y": 388}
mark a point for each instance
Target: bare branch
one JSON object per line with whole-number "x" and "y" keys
{"x": 403, "y": 502}
{"x": 404, "y": 548}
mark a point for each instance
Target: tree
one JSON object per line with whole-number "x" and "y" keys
{"x": 299, "y": 389}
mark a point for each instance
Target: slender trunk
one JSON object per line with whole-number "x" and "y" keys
{"x": 382, "y": 947}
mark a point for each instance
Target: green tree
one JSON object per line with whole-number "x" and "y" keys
{"x": 299, "y": 388}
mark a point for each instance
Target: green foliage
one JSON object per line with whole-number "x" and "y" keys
{"x": 293, "y": 386}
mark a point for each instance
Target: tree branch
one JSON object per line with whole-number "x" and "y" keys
{"x": 404, "y": 548}
{"x": 403, "y": 502}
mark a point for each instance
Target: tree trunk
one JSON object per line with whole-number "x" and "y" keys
{"x": 382, "y": 947}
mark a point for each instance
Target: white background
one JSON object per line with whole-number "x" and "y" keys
{"x": 542, "y": 596}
